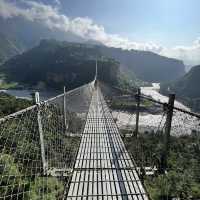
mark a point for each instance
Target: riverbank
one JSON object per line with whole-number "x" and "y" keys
{"x": 150, "y": 117}
{"x": 182, "y": 124}
{"x": 154, "y": 92}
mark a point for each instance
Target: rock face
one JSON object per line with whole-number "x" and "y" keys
{"x": 147, "y": 66}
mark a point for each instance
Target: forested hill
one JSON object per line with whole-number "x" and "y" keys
{"x": 147, "y": 66}
{"x": 18, "y": 35}
{"x": 186, "y": 88}
{"x": 53, "y": 64}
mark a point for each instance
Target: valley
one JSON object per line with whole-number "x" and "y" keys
{"x": 99, "y": 100}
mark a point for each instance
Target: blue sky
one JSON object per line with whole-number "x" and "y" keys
{"x": 168, "y": 27}
{"x": 169, "y": 22}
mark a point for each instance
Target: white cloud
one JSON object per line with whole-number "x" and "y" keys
{"x": 189, "y": 54}
{"x": 83, "y": 27}
{"x": 51, "y": 17}
{"x": 8, "y": 10}
{"x": 57, "y": 2}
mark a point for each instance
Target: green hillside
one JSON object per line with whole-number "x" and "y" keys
{"x": 10, "y": 104}
{"x": 53, "y": 64}
{"x": 146, "y": 65}
{"x": 186, "y": 88}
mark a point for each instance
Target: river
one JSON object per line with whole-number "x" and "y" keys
{"x": 181, "y": 124}
{"x": 154, "y": 93}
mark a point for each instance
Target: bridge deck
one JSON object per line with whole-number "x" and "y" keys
{"x": 103, "y": 168}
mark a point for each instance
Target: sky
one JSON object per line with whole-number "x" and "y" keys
{"x": 167, "y": 27}
{"x": 170, "y": 22}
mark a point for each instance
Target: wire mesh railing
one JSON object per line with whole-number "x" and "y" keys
{"x": 38, "y": 146}
{"x": 164, "y": 142}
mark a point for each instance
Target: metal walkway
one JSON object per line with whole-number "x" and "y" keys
{"x": 103, "y": 168}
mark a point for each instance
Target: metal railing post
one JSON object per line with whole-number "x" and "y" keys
{"x": 137, "y": 112}
{"x": 39, "y": 120}
{"x": 64, "y": 111}
{"x": 96, "y": 74}
{"x": 170, "y": 108}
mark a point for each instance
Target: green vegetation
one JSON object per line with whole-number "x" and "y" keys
{"x": 128, "y": 103}
{"x": 53, "y": 187}
{"x": 13, "y": 182}
{"x": 21, "y": 170}
{"x": 8, "y": 168}
{"x": 182, "y": 180}
{"x": 6, "y": 86}
{"x": 117, "y": 104}
{"x": 128, "y": 81}
{"x": 10, "y": 104}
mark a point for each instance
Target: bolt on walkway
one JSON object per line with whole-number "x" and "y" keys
{"x": 103, "y": 168}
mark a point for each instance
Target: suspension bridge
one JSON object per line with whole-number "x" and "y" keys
{"x": 103, "y": 168}
{"x": 70, "y": 147}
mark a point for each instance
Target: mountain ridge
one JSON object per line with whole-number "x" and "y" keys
{"x": 186, "y": 88}
{"x": 146, "y": 65}
{"x": 54, "y": 64}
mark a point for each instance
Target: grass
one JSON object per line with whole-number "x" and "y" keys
{"x": 147, "y": 103}
{"x": 5, "y": 86}
{"x": 130, "y": 105}
{"x": 182, "y": 180}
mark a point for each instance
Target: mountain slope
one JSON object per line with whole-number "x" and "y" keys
{"x": 54, "y": 64}
{"x": 26, "y": 35}
{"x": 186, "y": 88}
{"x": 146, "y": 65}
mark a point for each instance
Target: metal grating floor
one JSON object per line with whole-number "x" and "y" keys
{"x": 103, "y": 168}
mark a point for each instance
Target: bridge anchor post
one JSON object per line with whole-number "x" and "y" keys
{"x": 165, "y": 155}
{"x": 137, "y": 111}
{"x": 39, "y": 120}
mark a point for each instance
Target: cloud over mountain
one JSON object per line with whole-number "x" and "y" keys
{"x": 51, "y": 17}
{"x": 190, "y": 54}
